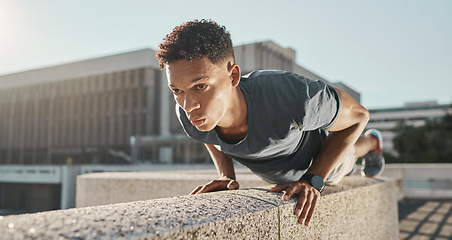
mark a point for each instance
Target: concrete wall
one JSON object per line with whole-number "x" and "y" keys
{"x": 117, "y": 187}
{"x": 358, "y": 208}
{"x": 413, "y": 181}
{"x": 421, "y": 181}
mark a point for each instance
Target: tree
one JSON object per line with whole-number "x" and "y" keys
{"x": 431, "y": 143}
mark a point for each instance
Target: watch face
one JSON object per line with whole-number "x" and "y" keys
{"x": 317, "y": 182}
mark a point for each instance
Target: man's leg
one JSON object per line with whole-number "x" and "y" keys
{"x": 369, "y": 146}
{"x": 365, "y": 145}
{"x": 344, "y": 168}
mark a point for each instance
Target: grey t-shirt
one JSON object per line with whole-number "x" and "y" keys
{"x": 288, "y": 115}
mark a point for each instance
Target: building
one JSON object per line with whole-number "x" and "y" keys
{"x": 415, "y": 114}
{"x": 93, "y": 111}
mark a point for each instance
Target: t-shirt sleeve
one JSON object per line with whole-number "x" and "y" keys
{"x": 319, "y": 104}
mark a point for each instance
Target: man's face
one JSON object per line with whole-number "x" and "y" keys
{"x": 202, "y": 89}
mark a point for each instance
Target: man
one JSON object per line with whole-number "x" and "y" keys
{"x": 287, "y": 129}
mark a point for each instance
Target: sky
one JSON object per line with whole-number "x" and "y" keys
{"x": 392, "y": 52}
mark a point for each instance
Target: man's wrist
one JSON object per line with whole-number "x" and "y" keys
{"x": 227, "y": 177}
{"x": 315, "y": 181}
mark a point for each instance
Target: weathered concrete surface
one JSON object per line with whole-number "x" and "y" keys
{"x": 358, "y": 208}
{"x": 117, "y": 187}
{"x": 203, "y": 216}
{"x": 359, "y": 213}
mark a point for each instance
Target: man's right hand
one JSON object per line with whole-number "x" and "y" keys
{"x": 217, "y": 185}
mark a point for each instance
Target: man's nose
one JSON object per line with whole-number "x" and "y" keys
{"x": 190, "y": 103}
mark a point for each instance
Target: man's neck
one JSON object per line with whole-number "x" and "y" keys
{"x": 237, "y": 117}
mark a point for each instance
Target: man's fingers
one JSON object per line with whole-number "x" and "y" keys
{"x": 311, "y": 210}
{"x": 215, "y": 185}
{"x": 208, "y": 188}
{"x": 306, "y": 207}
{"x": 286, "y": 188}
{"x": 300, "y": 204}
{"x": 233, "y": 185}
{"x": 196, "y": 190}
{"x": 290, "y": 191}
{"x": 279, "y": 188}
{"x": 307, "y": 199}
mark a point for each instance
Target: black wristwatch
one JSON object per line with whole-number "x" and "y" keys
{"x": 315, "y": 180}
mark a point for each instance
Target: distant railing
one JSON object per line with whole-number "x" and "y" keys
{"x": 30, "y": 174}
{"x": 64, "y": 175}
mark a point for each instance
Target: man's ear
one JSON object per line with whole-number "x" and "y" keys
{"x": 234, "y": 72}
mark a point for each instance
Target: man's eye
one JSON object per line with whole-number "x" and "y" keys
{"x": 176, "y": 91}
{"x": 201, "y": 86}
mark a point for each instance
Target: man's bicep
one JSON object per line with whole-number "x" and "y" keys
{"x": 350, "y": 113}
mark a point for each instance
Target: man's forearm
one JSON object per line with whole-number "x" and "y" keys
{"x": 334, "y": 147}
{"x": 223, "y": 163}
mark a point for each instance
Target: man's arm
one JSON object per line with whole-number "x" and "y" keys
{"x": 226, "y": 173}
{"x": 345, "y": 132}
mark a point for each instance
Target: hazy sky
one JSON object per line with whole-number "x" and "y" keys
{"x": 392, "y": 52}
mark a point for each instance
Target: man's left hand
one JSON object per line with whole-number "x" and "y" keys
{"x": 308, "y": 197}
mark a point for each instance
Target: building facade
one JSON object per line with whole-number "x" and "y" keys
{"x": 79, "y": 112}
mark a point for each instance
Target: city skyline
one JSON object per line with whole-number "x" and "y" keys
{"x": 390, "y": 52}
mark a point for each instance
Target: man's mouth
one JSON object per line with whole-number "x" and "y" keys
{"x": 198, "y": 123}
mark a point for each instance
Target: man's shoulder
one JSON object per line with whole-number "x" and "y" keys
{"x": 273, "y": 77}
{"x": 273, "y": 82}
{"x": 267, "y": 74}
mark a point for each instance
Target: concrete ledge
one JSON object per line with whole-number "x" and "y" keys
{"x": 358, "y": 208}
{"x": 413, "y": 181}
{"x": 118, "y": 187}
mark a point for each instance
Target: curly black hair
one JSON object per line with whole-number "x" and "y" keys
{"x": 194, "y": 40}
